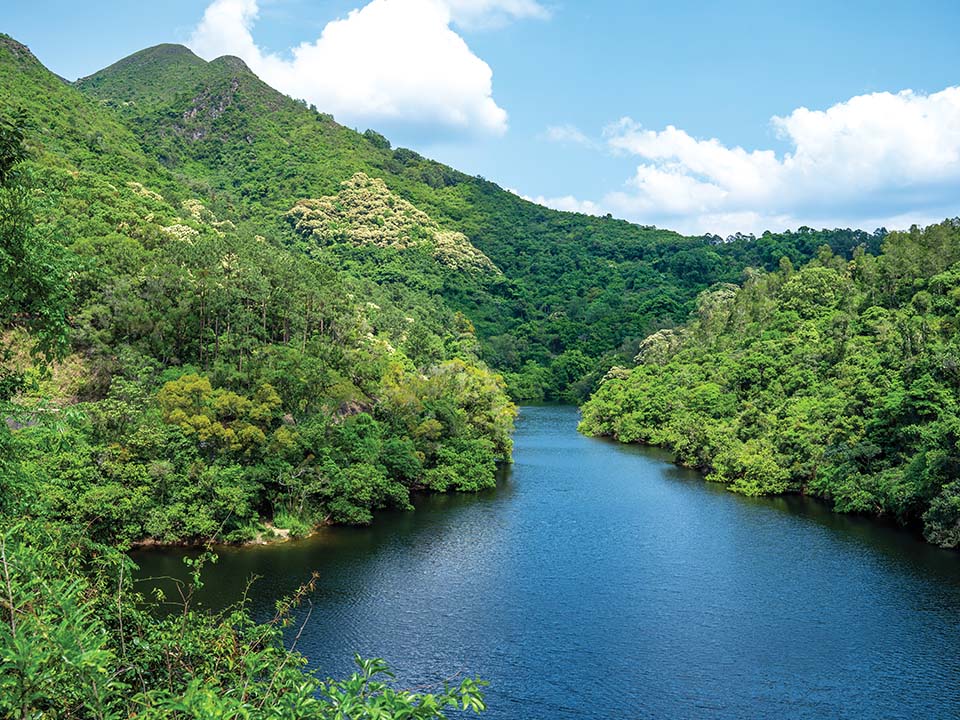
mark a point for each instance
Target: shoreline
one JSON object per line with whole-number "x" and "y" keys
{"x": 280, "y": 536}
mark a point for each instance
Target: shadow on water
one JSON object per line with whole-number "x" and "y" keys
{"x": 284, "y": 567}
{"x": 902, "y": 545}
{"x": 884, "y": 535}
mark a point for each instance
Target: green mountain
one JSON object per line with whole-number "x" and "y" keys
{"x": 170, "y": 372}
{"x": 216, "y": 383}
{"x": 299, "y": 318}
{"x": 65, "y": 127}
{"x": 577, "y": 292}
{"x": 291, "y": 316}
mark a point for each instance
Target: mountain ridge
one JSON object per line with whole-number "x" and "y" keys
{"x": 577, "y": 293}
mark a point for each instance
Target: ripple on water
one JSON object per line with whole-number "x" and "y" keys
{"x": 599, "y": 581}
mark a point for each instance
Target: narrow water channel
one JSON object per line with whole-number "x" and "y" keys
{"x": 599, "y": 581}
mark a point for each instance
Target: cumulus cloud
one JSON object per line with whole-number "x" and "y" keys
{"x": 567, "y": 203}
{"x": 889, "y": 159}
{"x": 395, "y": 62}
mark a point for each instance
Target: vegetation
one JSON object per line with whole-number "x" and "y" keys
{"x": 77, "y": 641}
{"x": 366, "y": 212}
{"x": 840, "y": 380}
{"x": 33, "y": 291}
{"x": 215, "y": 382}
{"x": 242, "y": 355}
{"x": 224, "y": 313}
{"x": 179, "y": 434}
{"x": 576, "y": 293}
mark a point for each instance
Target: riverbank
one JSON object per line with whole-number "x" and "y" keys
{"x": 271, "y": 535}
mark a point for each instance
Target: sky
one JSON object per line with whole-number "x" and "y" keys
{"x": 704, "y": 117}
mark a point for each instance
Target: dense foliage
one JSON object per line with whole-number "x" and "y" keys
{"x": 576, "y": 293}
{"x": 179, "y": 326}
{"x": 33, "y": 292}
{"x": 216, "y": 384}
{"x": 839, "y": 380}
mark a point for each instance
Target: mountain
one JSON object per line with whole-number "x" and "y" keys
{"x": 241, "y": 272}
{"x": 577, "y": 292}
{"x": 218, "y": 379}
{"x": 66, "y": 127}
{"x": 273, "y": 318}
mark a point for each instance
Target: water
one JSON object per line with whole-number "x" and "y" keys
{"x": 599, "y": 581}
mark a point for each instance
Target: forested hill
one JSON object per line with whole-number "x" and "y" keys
{"x": 210, "y": 382}
{"x": 577, "y": 293}
{"x": 203, "y": 384}
{"x": 839, "y": 380}
{"x": 264, "y": 319}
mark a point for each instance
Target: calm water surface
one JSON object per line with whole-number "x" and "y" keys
{"x": 599, "y": 581}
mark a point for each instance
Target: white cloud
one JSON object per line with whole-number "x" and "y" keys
{"x": 567, "y": 203}
{"x": 879, "y": 159}
{"x": 390, "y": 62}
{"x": 568, "y": 134}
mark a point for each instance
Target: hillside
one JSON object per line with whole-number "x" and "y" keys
{"x": 838, "y": 380}
{"x": 210, "y": 382}
{"x": 264, "y": 317}
{"x": 171, "y": 373}
{"x": 577, "y": 292}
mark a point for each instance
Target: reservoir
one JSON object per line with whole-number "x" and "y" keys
{"x": 600, "y": 581}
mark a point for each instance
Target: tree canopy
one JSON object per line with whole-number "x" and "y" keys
{"x": 838, "y": 380}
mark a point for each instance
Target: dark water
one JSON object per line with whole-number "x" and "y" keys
{"x": 598, "y": 581}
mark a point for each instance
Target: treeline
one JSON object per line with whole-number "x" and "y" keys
{"x": 839, "y": 380}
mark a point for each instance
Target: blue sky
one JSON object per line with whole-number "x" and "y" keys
{"x": 699, "y": 82}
